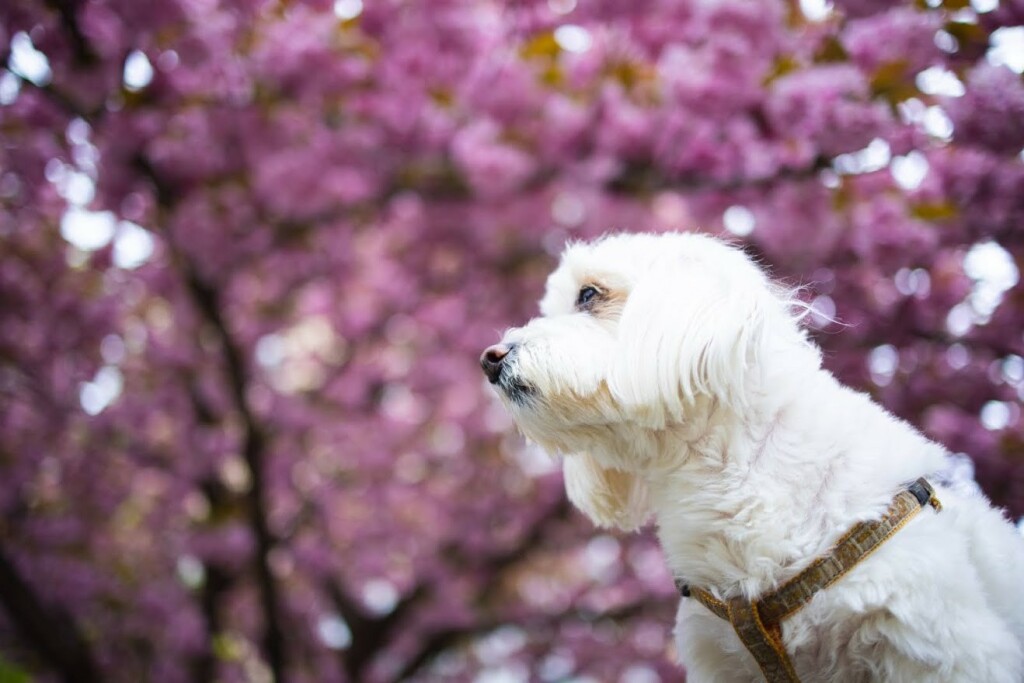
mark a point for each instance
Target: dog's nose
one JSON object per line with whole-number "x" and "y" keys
{"x": 491, "y": 361}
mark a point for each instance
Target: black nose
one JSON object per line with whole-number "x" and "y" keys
{"x": 491, "y": 360}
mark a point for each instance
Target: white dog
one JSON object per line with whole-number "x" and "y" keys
{"x": 675, "y": 379}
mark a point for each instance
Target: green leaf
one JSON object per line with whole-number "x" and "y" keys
{"x": 935, "y": 211}
{"x": 12, "y": 674}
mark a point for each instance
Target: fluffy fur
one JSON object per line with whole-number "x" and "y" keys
{"x": 685, "y": 390}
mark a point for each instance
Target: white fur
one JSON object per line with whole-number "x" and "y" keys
{"x": 690, "y": 394}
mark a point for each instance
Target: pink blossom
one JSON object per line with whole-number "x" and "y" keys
{"x": 900, "y": 38}
{"x": 991, "y": 113}
{"x": 492, "y": 167}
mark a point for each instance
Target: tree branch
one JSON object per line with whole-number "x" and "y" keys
{"x": 370, "y": 634}
{"x": 206, "y": 299}
{"x": 254, "y": 448}
{"x": 445, "y": 639}
{"x": 47, "y": 628}
{"x": 494, "y": 567}
{"x": 647, "y": 178}
{"x": 68, "y": 11}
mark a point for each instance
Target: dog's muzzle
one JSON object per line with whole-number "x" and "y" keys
{"x": 495, "y": 362}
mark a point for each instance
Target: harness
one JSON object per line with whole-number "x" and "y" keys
{"x": 758, "y": 622}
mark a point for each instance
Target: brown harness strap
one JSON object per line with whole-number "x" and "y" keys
{"x": 758, "y": 623}
{"x": 763, "y": 640}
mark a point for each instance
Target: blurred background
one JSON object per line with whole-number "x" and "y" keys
{"x": 250, "y": 251}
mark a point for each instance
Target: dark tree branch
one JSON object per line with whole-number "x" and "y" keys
{"x": 373, "y": 634}
{"x": 206, "y": 299}
{"x": 446, "y": 639}
{"x": 254, "y": 449}
{"x": 217, "y": 583}
{"x": 494, "y": 567}
{"x": 648, "y": 177}
{"x": 370, "y": 634}
{"x": 68, "y": 11}
{"x": 47, "y": 628}
{"x": 58, "y": 98}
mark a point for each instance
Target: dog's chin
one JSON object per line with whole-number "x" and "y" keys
{"x": 533, "y": 412}
{"x": 518, "y": 391}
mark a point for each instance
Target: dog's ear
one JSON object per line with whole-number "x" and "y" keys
{"x": 609, "y": 497}
{"x": 691, "y": 332}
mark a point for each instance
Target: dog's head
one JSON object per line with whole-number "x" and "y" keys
{"x": 639, "y": 334}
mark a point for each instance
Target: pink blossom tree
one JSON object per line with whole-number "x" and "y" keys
{"x": 251, "y": 250}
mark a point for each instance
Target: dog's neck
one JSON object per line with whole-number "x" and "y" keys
{"x": 759, "y": 493}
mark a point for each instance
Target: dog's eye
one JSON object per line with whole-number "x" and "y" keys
{"x": 586, "y": 296}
